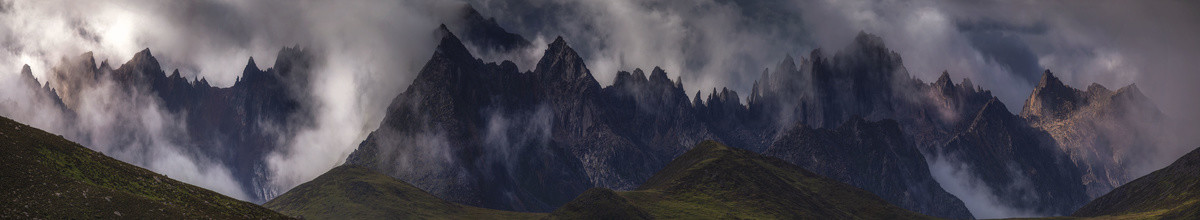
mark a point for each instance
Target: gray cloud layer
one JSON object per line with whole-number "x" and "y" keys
{"x": 371, "y": 50}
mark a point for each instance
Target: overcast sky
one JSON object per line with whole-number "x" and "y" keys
{"x": 371, "y": 50}
{"x": 1003, "y": 46}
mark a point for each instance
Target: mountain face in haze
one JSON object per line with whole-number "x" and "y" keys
{"x": 1169, "y": 193}
{"x": 236, "y": 125}
{"x": 48, "y": 177}
{"x": 1018, "y": 163}
{"x": 1105, "y": 132}
{"x": 876, "y": 156}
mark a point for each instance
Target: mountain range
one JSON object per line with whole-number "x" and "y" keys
{"x": 486, "y": 134}
{"x": 473, "y": 118}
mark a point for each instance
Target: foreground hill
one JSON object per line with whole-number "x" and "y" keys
{"x": 1170, "y": 193}
{"x": 716, "y": 181}
{"x": 46, "y": 176}
{"x": 355, "y": 192}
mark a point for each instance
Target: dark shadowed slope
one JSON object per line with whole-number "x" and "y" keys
{"x": 1170, "y": 193}
{"x": 716, "y": 181}
{"x": 874, "y": 156}
{"x": 355, "y": 192}
{"x": 46, "y": 176}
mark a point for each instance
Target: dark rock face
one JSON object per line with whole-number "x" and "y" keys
{"x": 874, "y": 156}
{"x": 237, "y": 125}
{"x": 484, "y": 134}
{"x": 1105, "y": 132}
{"x": 1019, "y": 163}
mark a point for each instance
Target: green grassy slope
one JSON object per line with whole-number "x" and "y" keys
{"x": 354, "y": 192}
{"x": 1170, "y": 193}
{"x": 46, "y": 176}
{"x": 715, "y": 181}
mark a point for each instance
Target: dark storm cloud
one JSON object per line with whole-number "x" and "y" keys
{"x": 987, "y": 24}
{"x": 1002, "y": 43}
{"x": 1008, "y": 50}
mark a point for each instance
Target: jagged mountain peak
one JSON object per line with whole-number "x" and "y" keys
{"x": 788, "y": 64}
{"x": 1051, "y": 98}
{"x": 25, "y": 70}
{"x": 639, "y": 75}
{"x": 944, "y": 78}
{"x": 1096, "y": 88}
{"x": 944, "y": 82}
{"x": 89, "y": 61}
{"x": 658, "y": 75}
{"x": 450, "y": 46}
{"x": 867, "y": 42}
{"x": 562, "y": 65}
{"x": 27, "y": 76}
{"x": 251, "y": 66}
{"x": 1048, "y": 81}
{"x": 143, "y": 59}
{"x": 442, "y": 30}
{"x": 486, "y": 33}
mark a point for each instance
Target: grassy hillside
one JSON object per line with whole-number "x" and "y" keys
{"x": 1170, "y": 193}
{"x": 354, "y": 192}
{"x": 715, "y": 181}
{"x": 46, "y": 176}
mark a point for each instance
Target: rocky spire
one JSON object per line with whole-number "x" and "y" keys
{"x": 562, "y": 66}
{"x": 27, "y": 77}
{"x": 450, "y": 46}
{"x": 1050, "y": 98}
{"x": 251, "y": 66}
